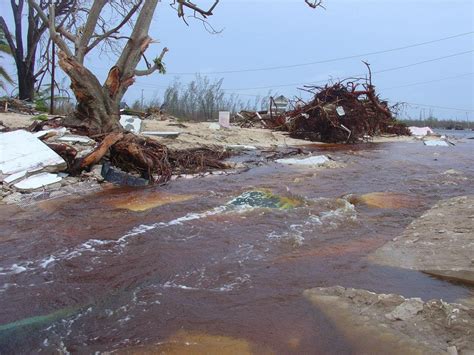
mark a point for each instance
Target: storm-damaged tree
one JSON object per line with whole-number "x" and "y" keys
{"x": 98, "y": 103}
{"x": 23, "y": 47}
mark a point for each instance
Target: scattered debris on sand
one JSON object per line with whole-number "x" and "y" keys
{"x": 346, "y": 111}
{"x": 393, "y": 324}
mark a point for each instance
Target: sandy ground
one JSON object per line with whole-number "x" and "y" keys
{"x": 449, "y": 225}
{"x": 199, "y": 133}
{"x": 391, "y": 324}
{"x": 15, "y": 120}
{"x": 195, "y": 134}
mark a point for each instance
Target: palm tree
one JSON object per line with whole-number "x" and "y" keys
{"x": 5, "y": 49}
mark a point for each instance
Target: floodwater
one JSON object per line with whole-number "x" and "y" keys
{"x": 163, "y": 269}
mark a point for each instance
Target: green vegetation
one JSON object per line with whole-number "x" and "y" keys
{"x": 5, "y": 49}
{"x": 202, "y": 99}
{"x": 42, "y": 117}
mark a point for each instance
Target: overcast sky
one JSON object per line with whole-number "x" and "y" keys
{"x": 268, "y": 33}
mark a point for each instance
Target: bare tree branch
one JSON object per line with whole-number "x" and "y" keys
{"x": 116, "y": 28}
{"x": 190, "y": 5}
{"x": 314, "y": 3}
{"x": 88, "y": 29}
{"x": 8, "y": 35}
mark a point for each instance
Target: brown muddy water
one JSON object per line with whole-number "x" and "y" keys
{"x": 136, "y": 269}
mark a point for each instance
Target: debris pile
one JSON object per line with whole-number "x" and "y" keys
{"x": 17, "y": 106}
{"x": 249, "y": 119}
{"x": 52, "y": 155}
{"x": 346, "y": 111}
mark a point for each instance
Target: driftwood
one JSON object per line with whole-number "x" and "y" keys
{"x": 101, "y": 150}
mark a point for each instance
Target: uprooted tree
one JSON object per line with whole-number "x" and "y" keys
{"x": 98, "y": 103}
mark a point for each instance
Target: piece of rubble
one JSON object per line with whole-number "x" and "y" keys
{"x": 131, "y": 123}
{"x": 420, "y": 131}
{"x": 214, "y": 126}
{"x": 59, "y": 132}
{"x": 77, "y": 139}
{"x": 311, "y": 161}
{"x": 162, "y": 134}
{"x": 240, "y": 147}
{"x": 436, "y": 143}
{"x": 416, "y": 327}
{"x": 15, "y": 177}
{"x": 22, "y": 151}
{"x": 408, "y": 309}
{"x": 440, "y": 242}
{"x": 37, "y": 181}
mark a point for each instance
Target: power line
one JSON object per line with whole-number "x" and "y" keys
{"x": 326, "y": 60}
{"x": 434, "y": 106}
{"x": 429, "y": 81}
{"x": 374, "y": 72}
{"x": 389, "y": 88}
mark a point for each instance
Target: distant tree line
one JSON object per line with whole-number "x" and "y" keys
{"x": 201, "y": 100}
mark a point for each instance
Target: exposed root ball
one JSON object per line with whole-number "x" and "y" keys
{"x": 142, "y": 155}
{"x": 156, "y": 162}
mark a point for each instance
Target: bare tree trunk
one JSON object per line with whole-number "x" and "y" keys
{"x": 97, "y": 109}
{"x": 26, "y": 81}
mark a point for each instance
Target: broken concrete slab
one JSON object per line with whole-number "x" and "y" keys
{"x": 240, "y": 147}
{"x": 22, "y": 151}
{"x": 406, "y": 310}
{"x": 37, "y": 181}
{"x": 77, "y": 139}
{"x": 427, "y": 328}
{"x": 131, "y": 123}
{"x": 436, "y": 143}
{"x": 420, "y": 131}
{"x": 15, "y": 177}
{"x": 441, "y": 240}
{"x": 59, "y": 132}
{"x": 162, "y": 134}
{"x": 462, "y": 276}
{"x": 311, "y": 161}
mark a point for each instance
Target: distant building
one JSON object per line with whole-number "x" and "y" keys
{"x": 279, "y": 105}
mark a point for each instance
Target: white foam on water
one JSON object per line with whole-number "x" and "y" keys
{"x": 6, "y": 286}
{"x": 44, "y": 264}
{"x": 297, "y": 233}
{"x": 96, "y": 245}
{"x": 143, "y": 228}
{"x": 15, "y": 269}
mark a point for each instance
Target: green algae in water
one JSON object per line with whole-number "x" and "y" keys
{"x": 265, "y": 199}
{"x": 28, "y": 324}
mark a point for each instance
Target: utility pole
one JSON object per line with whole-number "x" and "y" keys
{"x": 141, "y": 107}
{"x": 53, "y": 64}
